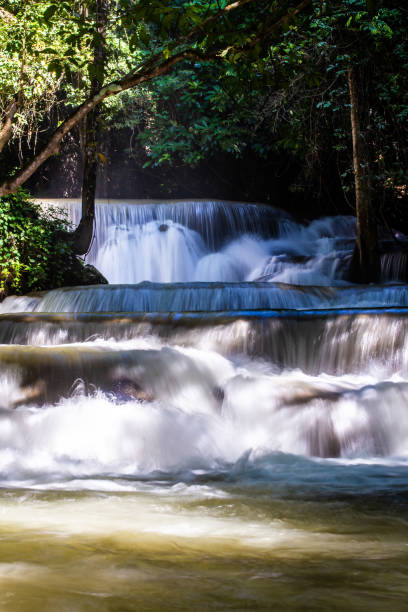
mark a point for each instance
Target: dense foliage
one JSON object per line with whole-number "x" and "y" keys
{"x": 285, "y": 91}
{"x": 144, "y": 40}
{"x": 197, "y": 81}
{"x": 35, "y": 251}
{"x": 293, "y": 98}
{"x": 317, "y": 55}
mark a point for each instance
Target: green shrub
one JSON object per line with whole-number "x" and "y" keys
{"x": 35, "y": 251}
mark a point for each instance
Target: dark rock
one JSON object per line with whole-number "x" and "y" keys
{"x": 219, "y": 394}
{"x": 33, "y": 394}
{"x": 92, "y": 276}
{"x": 126, "y": 390}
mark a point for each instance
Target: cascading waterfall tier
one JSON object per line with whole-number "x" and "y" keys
{"x": 256, "y": 404}
{"x": 210, "y": 241}
{"x": 167, "y": 241}
{"x": 333, "y": 341}
{"x": 181, "y": 241}
{"x": 204, "y": 297}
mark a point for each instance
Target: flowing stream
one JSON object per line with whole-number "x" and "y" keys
{"x": 223, "y": 426}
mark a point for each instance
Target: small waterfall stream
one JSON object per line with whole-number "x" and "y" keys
{"x": 211, "y": 417}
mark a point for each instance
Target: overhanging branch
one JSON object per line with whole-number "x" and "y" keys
{"x": 155, "y": 67}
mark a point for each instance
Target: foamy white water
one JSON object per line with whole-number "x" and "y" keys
{"x": 213, "y": 241}
{"x": 235, "y": 439}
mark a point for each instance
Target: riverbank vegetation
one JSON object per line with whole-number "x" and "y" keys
{"x": 304, "y": 100}
{"x": 35, "y": 248}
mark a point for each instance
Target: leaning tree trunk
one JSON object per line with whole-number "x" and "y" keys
{"x": 84, "y": 232}
{"x": 365, "y": 265}
{"x": 6, "y": 129}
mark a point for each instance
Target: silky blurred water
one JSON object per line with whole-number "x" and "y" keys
{"x": 190, "y": 438}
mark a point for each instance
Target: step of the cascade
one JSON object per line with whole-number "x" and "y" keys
{"x": 166, "y": 379}
{"x": 205, "y": 297}
{"x": 199, "y": 317}
{"x": 170, "y": 297}
{"x": 43, "y": 375}
{"x": 335, "y": 341}
{"x": 213, "y": 219}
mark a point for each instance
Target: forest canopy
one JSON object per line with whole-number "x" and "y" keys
{"x": 191, "y": 81}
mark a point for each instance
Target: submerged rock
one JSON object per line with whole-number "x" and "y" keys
{"x": 31, "y": 394}
{"x": 127, "y": 389}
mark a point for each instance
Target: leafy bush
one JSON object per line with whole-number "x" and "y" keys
{"x": 35, "y": 250}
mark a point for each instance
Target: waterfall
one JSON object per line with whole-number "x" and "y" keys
{"x": 163, "y": 395}
{"x": 213, "y": 241}
{"x": 217, "y": 241}
{"x": 227, "y": 331}
{"x": 204, "y": 297}
{"x": 334, "y": 341}
{"x": 228, "y": 411}
{"x": 394, "y": 266}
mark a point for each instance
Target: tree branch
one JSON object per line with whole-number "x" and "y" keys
{"x": 112, "y": 89}
{"x": 215, "y": 16}
{"x": 147, "y": 71}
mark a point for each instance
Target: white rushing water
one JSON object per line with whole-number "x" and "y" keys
{"x": 224, "y": 426}
{"x": 213, "y": 241}
{"x": 113, "y": 409}
{"x": 103, "y": 385}
{"x": 211, "y": 256}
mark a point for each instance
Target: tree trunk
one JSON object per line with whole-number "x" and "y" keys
{"x": 84, "y": 232}
{"x": 6, "y": 130}
{"x": 82, "y": 237}
{"x": 365, "y": 265}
